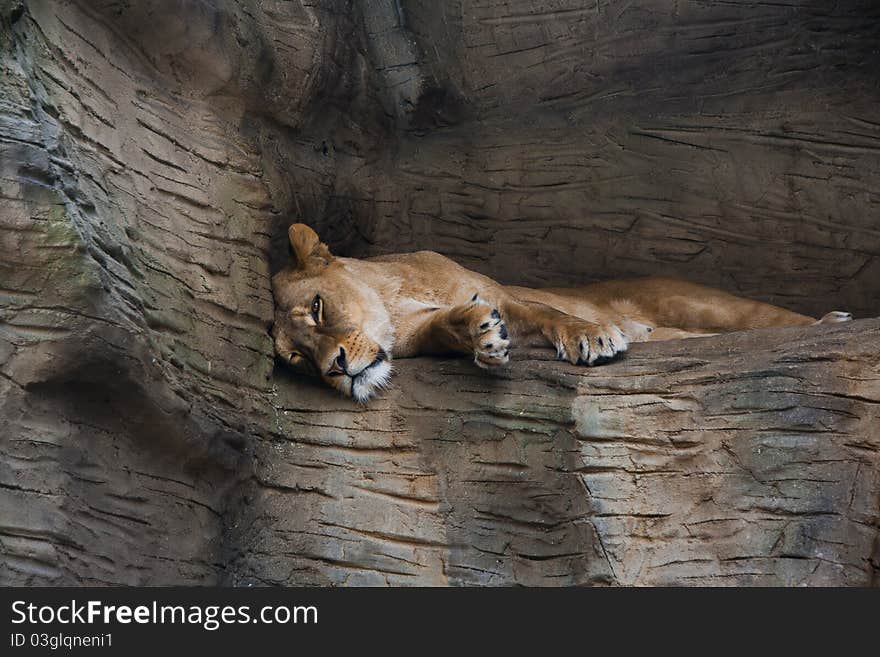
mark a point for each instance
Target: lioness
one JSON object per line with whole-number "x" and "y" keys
{"x": 342, "y": 319}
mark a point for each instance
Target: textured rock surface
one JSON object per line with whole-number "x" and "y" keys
{"x": 748, "y": 459}
{"x": 152, "y": 154}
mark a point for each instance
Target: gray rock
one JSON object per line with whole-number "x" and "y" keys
{"x": 152, "y": 155}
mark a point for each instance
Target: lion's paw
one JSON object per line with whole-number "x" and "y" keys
{"x": 835, "y": 317}
{"x": 585, "y": 343}
{"x": 490, "y": 341}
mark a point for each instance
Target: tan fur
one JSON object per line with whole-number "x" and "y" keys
{"x": 423, "y": 303}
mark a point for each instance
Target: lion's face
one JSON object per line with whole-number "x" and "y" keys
{"x": 328, "y": 323}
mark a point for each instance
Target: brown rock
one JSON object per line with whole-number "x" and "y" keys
{"x": 146, "y": 184}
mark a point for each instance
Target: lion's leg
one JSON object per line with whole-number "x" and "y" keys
{"x": 699, "y": 309}
{"x": 474, "y": 328}
{"x": 576, "y": 340}
{"x": 724, "y": 313}
{"x": 667, "y": 333}
{"x": 662, "y": 333}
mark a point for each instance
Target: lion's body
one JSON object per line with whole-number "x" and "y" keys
{"x": 424, "y": 303}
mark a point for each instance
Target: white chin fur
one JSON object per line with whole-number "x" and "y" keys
{"x": 370, "y": 381}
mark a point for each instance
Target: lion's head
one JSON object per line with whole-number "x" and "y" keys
{"x": 329, "y": 322}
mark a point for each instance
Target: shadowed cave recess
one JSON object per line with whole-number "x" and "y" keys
{"x": 152, "y": 155}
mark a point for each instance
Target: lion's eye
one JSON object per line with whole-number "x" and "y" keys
{"x": 317, "y": 309}
{"x": 295, "y": 357}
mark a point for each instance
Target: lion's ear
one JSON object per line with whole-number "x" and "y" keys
{"x": 308, "y": 250}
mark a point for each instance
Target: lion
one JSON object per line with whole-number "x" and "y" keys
{"x": 344, "y": 319}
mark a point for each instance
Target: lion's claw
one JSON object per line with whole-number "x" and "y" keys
{"x": 585, "y": 343}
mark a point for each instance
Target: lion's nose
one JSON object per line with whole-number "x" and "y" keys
{"x": 340, "y": 364}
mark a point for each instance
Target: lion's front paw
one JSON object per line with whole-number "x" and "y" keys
{"x": 488, "y": 334}
{"x": 585, "y": 343}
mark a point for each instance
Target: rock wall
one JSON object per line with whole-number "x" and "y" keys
{"x": 152, "y": 155}
{"x": 732, "y": 143}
